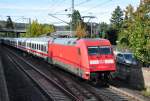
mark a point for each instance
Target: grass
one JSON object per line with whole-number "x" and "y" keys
{"x": 146, "y": 93}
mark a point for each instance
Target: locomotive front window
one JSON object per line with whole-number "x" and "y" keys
{"x": 105, "y": 50}
{"x": 93, "y": 50}
{"x": 99, "y": 50}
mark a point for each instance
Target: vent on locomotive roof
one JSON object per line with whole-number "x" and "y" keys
{"x": 74, "y": 42}
{"x": 69, "y": 42}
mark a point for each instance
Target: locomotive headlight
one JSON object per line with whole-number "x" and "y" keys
{"x": 109, "y": 61}
{"x": 94, "y": 62}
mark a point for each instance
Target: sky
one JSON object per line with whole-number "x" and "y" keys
{"x": 22, "y": 10}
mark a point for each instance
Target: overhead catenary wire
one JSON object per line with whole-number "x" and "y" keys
{"x": 78, "y": 4}
{"x": 57, "y": 4}
{"x": 96, "y": 6}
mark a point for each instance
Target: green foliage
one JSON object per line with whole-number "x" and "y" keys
{"x": 37, "y": 29}
{"x": 127, "y": 26}
{"x": 117, "y": 18}
{"x": 136, "y": 31}
{"x": 76, "y": 18}
{"x": 116, "y": 24}
{"x": 112, "y": 35}
{"x": 103, "y": 28}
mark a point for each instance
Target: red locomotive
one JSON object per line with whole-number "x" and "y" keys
{"x": 86, "y": 58}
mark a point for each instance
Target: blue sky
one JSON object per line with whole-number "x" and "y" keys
{"x": 39, "y": 9}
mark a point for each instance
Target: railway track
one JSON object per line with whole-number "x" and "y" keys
{"x": 49, "y": 87}
{"x": 81, "y": 90}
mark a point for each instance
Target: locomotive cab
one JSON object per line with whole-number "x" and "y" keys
{"x": 99, "y": 58}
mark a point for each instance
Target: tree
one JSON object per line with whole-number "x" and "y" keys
{"x": 38, "y": 29}
{"x": 103, "y": 28}
{"x": 117, "y": 18}
{"x": 127, "y": 24}
{"x": 76, "y": 18}
{"x": 140, "y": 36}
{"x": 116, "y": 24}
{"x": 112, "y": 35}
{"x": 136, "y": 30}
{"x": 80, "y": 30}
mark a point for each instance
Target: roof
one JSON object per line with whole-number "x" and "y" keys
{"x": 65, "y": 41}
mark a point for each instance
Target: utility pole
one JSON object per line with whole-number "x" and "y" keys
{"x": 90, "y": 17}
{"x": 71, "y": 24}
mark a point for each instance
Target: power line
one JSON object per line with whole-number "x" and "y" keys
{"x": 58, "y": 18}
{"x": 57, "y": 4}
{"x": 101, "y": 4}
{"x": 81, "y": 3}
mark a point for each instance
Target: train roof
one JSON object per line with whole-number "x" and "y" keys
{"x": 40, "y": 39}
{"x": 73, "y": 41}
{"x": 65, "y": 41}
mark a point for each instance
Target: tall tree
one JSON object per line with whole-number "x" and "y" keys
{"x": 76, "y": 18}
{"x": 140, "y": 36}
{"x": 9, "y": 23}
{"x": 136, "y": 30}
{"x": 117, "y": 18}
{"x": 116, "y": 23}
{"x": 127, "y": 29}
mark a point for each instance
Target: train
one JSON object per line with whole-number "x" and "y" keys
{"x": 87, "y": 58}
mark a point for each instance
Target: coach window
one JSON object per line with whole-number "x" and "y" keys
{"x": 39, "y": 46}
{"x": 45, "y": 48}
{"x": 36, "y": 46}
{"x": 42, "y": 47}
